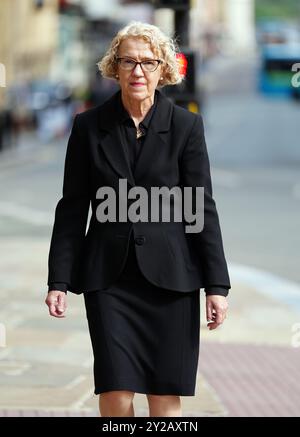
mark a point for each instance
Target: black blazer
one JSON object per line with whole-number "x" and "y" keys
{"x": 174, "y": 154}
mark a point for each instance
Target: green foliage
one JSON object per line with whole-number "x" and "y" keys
{"x": 277, "y": 9}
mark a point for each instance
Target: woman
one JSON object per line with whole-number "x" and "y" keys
{"x": 140, "y": 278}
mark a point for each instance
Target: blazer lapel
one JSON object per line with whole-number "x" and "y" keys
{"x": 111, "y": 140}
{"x": 112, "y": 144}
{"x": 156, "y": 137}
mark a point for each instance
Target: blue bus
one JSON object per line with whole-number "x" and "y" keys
{"x": 278, "y": 68}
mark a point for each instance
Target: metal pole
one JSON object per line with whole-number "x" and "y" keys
{"x": 182, "y": 25}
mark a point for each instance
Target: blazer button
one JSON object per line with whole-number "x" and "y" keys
{"x": 140, "y": 240}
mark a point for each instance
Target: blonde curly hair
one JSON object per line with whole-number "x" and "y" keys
{"x": 163, "y": 46}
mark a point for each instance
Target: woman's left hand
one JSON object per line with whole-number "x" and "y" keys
{"x": 216, "y": 308}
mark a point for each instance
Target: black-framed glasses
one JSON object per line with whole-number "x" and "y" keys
{"x": 148, "y": 65}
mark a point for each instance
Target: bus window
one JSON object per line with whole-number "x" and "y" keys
{"x": 276, "y": 69}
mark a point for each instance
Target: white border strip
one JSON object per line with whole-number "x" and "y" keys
{"x": 269, "y": 284}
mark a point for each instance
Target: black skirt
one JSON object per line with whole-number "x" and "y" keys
{"x": 145, "y": 339}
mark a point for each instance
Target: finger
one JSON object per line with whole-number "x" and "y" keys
{"x": 49, "y": 301}
{"x": 59, "y": 316}
{"x": 59, "y": 309}
{"x": 219, "y": 317}
{"x": 53, "y": 311}
{"x": 212, "y": 326}
{"x": 60, "y": 306}
{"x": 59, "y": 303}
{"x": 61, "y": 299}
{"x": 209, "y": 314}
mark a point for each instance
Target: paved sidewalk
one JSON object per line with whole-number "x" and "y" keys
{"x": 246, "y": 367}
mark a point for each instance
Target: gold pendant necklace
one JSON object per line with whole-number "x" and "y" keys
{"x": 139, "y": 132}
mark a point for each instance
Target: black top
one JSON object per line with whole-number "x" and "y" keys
{"x": 128, "y": 131}
{"x": 133, "y": 146}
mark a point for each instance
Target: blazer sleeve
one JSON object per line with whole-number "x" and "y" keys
{"x": 208, "y": 243}
{"x": 59, "y": 286}
{"x": 71, "y": 211}
{"x": 213, "y": 290}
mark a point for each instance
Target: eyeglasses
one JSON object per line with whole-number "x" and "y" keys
{"x": 148, "y": 65}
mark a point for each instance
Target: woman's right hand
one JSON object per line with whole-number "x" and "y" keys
{"x": 57, "y": 303}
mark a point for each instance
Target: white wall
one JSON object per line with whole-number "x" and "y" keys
{"x": 240, "y": 25}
